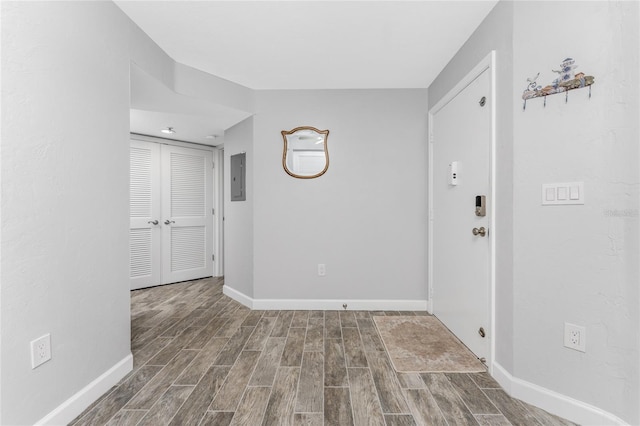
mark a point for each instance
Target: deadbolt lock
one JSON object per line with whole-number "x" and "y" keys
{"x": 481, "y": 205}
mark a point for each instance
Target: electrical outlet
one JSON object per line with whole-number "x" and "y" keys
{"x": 322, "y": 270}
{"x": 575, "y": 337}
{"x": 40, "y": 350}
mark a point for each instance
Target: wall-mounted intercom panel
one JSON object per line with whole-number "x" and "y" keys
{"x": 481, "y": 205}
{"x": 238, "y": 174}
{"x": 453, "y": 173}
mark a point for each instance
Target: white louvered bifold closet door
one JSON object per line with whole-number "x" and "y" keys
{"x": 145, "y": 230}
{"x": 187, "y": 221}
{"x": 171, "y": 199}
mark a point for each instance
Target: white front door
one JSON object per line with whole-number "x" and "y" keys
{"x": 460, "y": 256}
{"x": 171, "y": 217}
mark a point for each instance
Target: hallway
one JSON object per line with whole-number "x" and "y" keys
{"x": 201, "y": 358}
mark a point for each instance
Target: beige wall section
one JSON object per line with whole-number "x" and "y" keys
{"x": 65, "y": 202}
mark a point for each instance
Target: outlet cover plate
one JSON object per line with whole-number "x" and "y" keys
{"x": 40, "y": 350}
{"x": 575, "y": 337}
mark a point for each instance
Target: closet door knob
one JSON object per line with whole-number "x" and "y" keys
{"x": 479, "y": 231}
{"x": 153, "y": 222}
{"x": 168, "y": 222}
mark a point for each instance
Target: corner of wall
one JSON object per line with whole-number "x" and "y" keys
{"x": 239, "y": 215}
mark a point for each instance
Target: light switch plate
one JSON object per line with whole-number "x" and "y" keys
{"x": 562, "y": 193}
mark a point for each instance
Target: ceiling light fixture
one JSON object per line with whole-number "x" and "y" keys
{"x": 168, "y": 130}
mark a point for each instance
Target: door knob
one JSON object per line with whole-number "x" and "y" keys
{"x": 153, "y": 222}
{"x": 168, "y": 222}
{"x": 479, "y": 231}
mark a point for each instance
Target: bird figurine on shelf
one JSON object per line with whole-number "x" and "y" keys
{"x": 533, "y": 82}
{"x": 565, "y": 73}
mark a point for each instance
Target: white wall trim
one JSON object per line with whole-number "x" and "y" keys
{"x": 75, "y": 405}
{"x": 218, "y": 205}
{"x": 175, "y": 142}
{"x": 554, "y": 402}
{"x": 238, "y": 296}
{"x": 325, "y": 304}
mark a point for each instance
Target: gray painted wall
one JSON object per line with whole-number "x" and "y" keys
{"x": 365, "y": 218}
{"x": 577, "y": 264}
{"x": 65, "y": 156}
{"x": 65, "y": 199}
{"x": 65, "y": 191}
{"x": 239, "y": 215}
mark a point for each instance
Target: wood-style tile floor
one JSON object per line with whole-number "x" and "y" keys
{"x": 201, "y": 358}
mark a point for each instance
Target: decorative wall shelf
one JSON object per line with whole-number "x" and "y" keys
{"x": 565, "y": 82}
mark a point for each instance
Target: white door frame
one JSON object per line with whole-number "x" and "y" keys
{"x": 488, "y": 63}
{"x": 218, "y": 200}
{"x": 218, "y": 206}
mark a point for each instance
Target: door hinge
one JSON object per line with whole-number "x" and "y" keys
{"x": 430, "y": 137}
{"x": 213, "y": 257}
{"x": 213, "y": 211}
{"x": 430, "y": 214}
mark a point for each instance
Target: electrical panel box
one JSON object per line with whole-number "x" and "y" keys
{"x": 238, "y": 174}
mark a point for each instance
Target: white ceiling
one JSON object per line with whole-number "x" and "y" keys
{"x": 312, "y": 44}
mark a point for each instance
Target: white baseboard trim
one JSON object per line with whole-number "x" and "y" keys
{"x": 325, "y": 304}
{"x": 237, "y": 296}
{"x": 554, "y": 402}
{"x": 72, "y": 407}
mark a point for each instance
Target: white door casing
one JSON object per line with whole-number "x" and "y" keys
{"x": 461, "y": 264}
{"x": 171, "y": 201}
